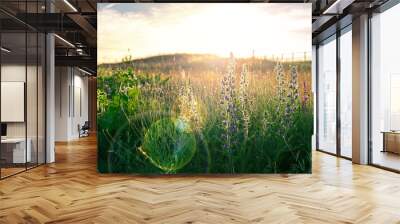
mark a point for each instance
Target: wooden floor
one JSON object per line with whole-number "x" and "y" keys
{"x": 5, "y": 172}
{"x": 71, "y": 191}
{"x": 387, "y": 159}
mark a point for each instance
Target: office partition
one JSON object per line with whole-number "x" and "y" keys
{"x": 22, "y": 77}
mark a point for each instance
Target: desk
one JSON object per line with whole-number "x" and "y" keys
{"x": 13, "y": 150}
{"x": 391, "y": 141}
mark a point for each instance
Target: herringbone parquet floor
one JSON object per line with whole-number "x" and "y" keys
{"x": 71, "y": 191}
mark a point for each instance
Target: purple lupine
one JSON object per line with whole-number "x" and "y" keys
{"x": 228, "y": 106}
{"x": 293, "y": 93}
{"x": 280, "y": 78}
{"x": 244, "y": 99}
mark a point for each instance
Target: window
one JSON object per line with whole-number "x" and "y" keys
{"x": 327, "y": 96}
{"x": 346, "y": 93}
{"x": 385, "y": 89}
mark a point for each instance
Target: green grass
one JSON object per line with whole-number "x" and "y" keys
{"x": 138, "y": 110}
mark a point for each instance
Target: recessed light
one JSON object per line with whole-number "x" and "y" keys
{"x": 70, "y": 5}
{"x": 5, "y": 50}
{"x": 64, "y": 40}
{"x": 86, "y": 72}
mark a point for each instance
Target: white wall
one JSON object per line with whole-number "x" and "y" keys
{"x": 70, "y": 83}
{"x": 79, "y": 117}
{"x": 12, "y": 73}
{"x": 62, "y": 82}
{"x": 33, "y": 126}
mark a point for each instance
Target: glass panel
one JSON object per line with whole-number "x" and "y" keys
{"x": 41, "y": 98}
{"x": 385, "y": 89}
{"x": 31, "y": 98}
{"x": 23, "y": 90}
{"x": 13, "y": 86}
{"x": 346, "y": 94}
{"x": 31, "y": 88}
{"x": 327, "y": 96}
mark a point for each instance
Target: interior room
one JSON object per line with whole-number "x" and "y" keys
{"x": 64, "y": 159}
{"x": 22, "y": 102}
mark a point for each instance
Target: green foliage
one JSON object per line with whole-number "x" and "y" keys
{"x": 140, "y": 129}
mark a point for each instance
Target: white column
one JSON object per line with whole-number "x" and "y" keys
{"x": 360, "y": 90}
{"x": 314, "y": 87}
{"x": 50, "y": 100}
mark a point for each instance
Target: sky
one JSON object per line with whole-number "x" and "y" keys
{"x": 147, "y": 29}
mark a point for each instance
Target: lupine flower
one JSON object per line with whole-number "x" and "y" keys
{"x": 293, "y": 93}
{"x": 229, "y": 110}
{"x": 188, "y": 106}
{"x": 281, "y": 95}
{"x": 244, "y": 99}
{"x": 280, "y": 83}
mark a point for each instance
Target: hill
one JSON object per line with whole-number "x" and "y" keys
{"x": 197, "y": 63}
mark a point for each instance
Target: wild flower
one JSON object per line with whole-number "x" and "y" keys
{"x": 244, "y": 99}
{"x": 280, "y": 78}
{"x": 187, "y": 104}
{"x": 281, "y": 90}
{"x": 228, "y": 105}
{"x": 293, "y": 93}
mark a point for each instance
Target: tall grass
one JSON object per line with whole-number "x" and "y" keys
{"x": 246, "y": 117}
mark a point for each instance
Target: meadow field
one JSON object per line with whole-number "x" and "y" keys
{"x": 195, "y": 113}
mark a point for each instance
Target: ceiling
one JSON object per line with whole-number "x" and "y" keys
{"x": 75, "y": 21}
{"x": 332, "y": 15}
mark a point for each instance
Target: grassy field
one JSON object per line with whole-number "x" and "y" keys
{"x": 204, "y": 114}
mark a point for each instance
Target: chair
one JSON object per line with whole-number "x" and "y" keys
{"x": 84, "y": 130}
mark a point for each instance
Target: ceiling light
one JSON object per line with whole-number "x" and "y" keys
{"x": 338, "y": 6}
{"x": 70, "y": 5}
{"x": 84, "y": 71}
{"x": 5, "y": 50}
{"x": 64, "y": 40}
{"x": 79, "y": 51}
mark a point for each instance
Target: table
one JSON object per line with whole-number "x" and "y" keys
{"x": 13, "y": 150}
{"x": 391, "y": 141}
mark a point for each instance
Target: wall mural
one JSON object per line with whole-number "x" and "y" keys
{"x": 204, "y": 88}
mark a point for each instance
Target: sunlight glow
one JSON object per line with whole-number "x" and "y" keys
{"x": 152, "y": 29}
